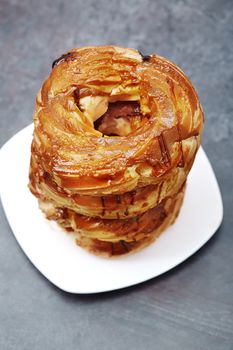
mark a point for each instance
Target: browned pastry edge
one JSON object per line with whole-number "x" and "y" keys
{"x": 166, "y": 213}
{"x": 109, "y": 249}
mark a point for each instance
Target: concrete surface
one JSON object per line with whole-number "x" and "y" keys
{"x": 190, "y": 307}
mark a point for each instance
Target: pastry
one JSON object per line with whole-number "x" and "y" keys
{"x": 115, "y": 136}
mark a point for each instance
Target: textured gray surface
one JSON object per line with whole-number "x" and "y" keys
{"x": 191, "y": 307}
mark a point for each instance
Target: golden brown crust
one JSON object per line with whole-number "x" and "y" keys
{"x": 117, "y": 237}
{"x": 116, "y": 248}
{"x": 115, "y": 135}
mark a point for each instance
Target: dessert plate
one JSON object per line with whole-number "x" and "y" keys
{"x": 74, "y": 270}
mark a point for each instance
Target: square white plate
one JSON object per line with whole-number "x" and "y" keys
{"x": 71, "y": 268}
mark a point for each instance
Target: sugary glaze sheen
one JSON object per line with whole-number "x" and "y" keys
{"x": 115, "y": 136}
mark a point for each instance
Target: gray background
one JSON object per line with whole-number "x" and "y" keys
{"x": 190, "y": 307}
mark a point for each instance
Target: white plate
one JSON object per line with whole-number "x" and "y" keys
{"x": 71, "y": 268}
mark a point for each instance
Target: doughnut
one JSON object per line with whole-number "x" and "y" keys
{"x": 115, "y": 136}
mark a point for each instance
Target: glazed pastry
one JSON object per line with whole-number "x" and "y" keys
{"x": 115, "y": 136}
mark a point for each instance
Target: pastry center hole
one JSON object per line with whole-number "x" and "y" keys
{"x": 120, "y": 119}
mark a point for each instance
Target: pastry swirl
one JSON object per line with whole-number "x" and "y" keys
{"x": 115, "y": 136}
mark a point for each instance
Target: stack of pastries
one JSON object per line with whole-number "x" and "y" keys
{"x": 115, "y": 136}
